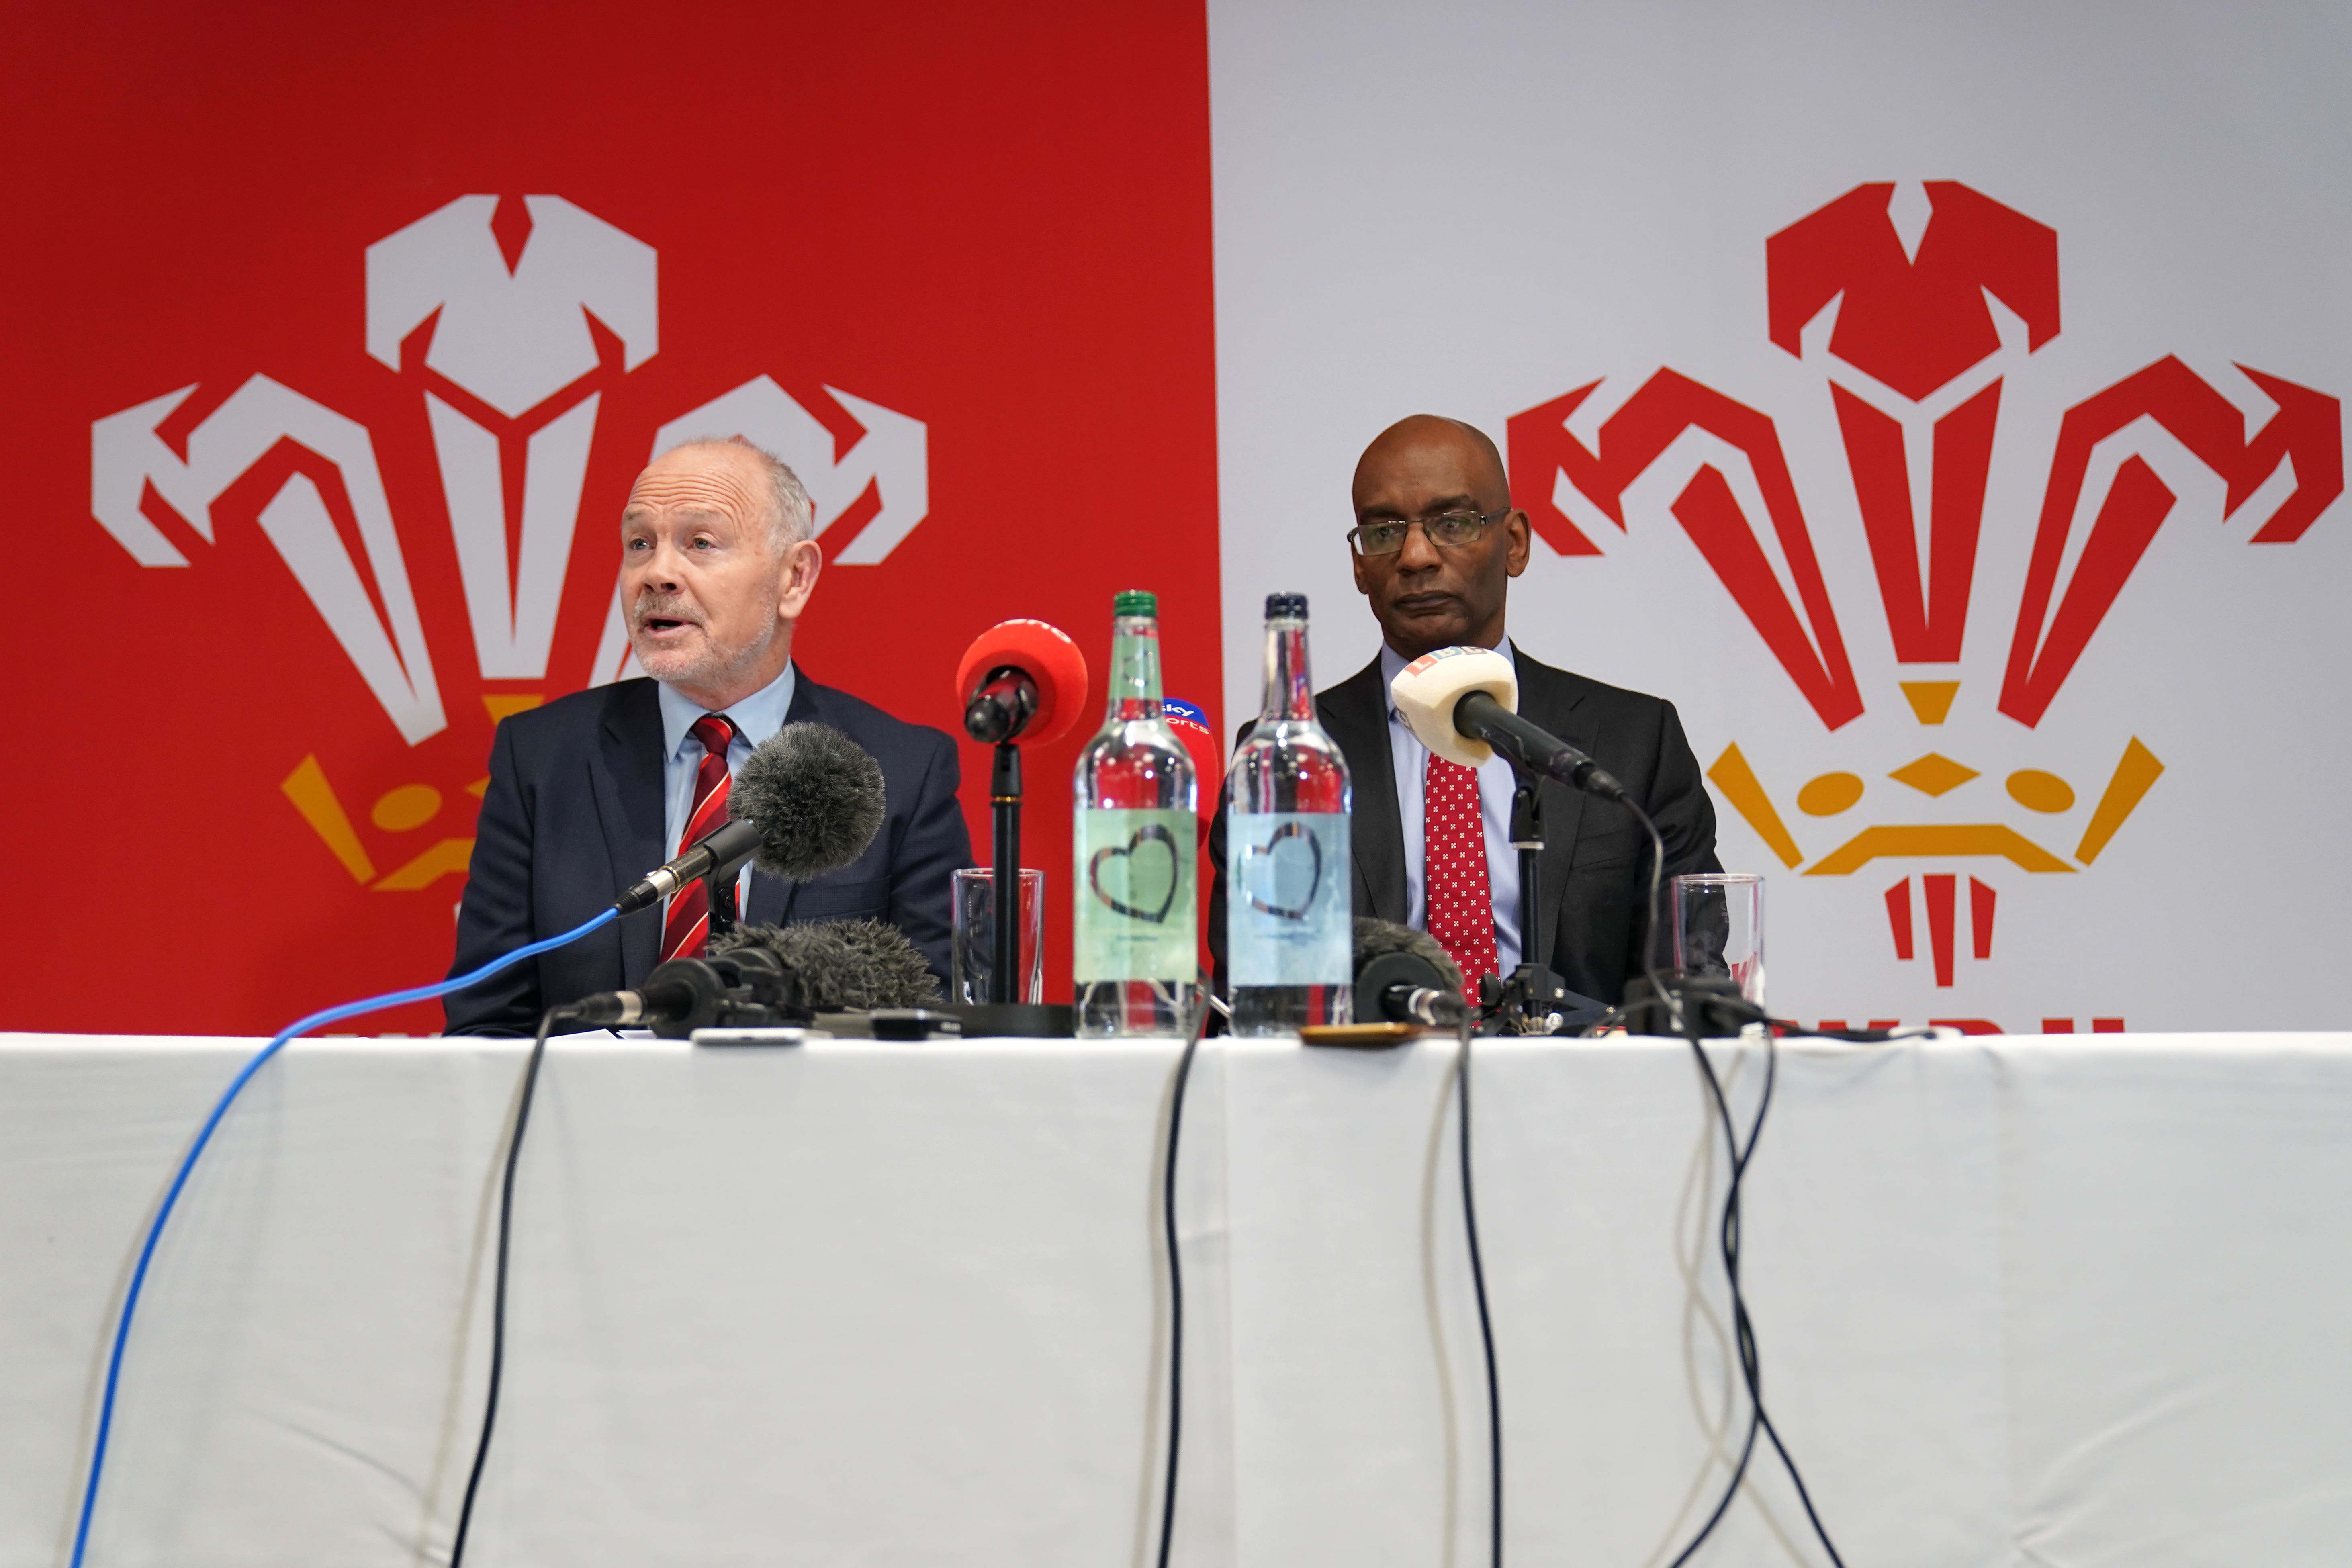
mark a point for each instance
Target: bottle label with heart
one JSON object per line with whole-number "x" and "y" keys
{"x": 1287, "y": 921}
{"x": 1135, "y": 914}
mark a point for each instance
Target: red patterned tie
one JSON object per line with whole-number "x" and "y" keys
{"x": 1453, "y": 868}
{"x": 688, "y": 923}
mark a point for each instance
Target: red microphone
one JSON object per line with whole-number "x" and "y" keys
{"x": 1018, "y": 680}
{"x": 1022, "y": 681}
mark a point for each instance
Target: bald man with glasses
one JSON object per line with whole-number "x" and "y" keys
{"x": 1436, "y": 545}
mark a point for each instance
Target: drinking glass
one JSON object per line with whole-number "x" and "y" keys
{"x": 975, "y": 934}
{"x": 1719, "y": 928}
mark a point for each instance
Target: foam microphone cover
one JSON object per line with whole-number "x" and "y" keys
{"x": 845, "y": 964}
{"x": 1051, "y": 660}
{"x": 816, "y": 797}
{"x": 1427, "y": 689}
{"x": 1375, "y": 938}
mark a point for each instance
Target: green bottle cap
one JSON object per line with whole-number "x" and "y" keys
{"x": 1135, "y": 601}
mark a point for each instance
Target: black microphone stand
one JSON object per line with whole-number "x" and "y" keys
{"x": 1004, "y": 957}
{"x": 1006, "y": 1012}
{"x": 1534, "y": 1000}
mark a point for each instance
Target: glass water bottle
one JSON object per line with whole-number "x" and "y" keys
{"x": 1288, "y": 949}
{"x": 1135, "y": 951}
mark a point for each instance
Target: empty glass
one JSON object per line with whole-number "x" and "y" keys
{"x": 975, "y": 934}
{"x": 1719, "y": 928}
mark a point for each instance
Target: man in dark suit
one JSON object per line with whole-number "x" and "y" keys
{"x": 1437, "y": 544}
{"x": 590, "y": 793}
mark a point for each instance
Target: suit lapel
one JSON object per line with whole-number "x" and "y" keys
{"x": 1355, "y": 714}
{"x": 770, "y": 899}
{"x": 626, "y": 776}
{"x": 1549, "y": 698}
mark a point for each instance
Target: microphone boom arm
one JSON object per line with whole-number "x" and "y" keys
{"x": 729, "y": 844}
{"x": 1532, "y": 749}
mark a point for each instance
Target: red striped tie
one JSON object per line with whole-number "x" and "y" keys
{"x": 1454, "y": 867}
{"x": 688, "y": 923}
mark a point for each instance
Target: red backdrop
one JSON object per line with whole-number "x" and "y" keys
{"x": 997, "y": 227}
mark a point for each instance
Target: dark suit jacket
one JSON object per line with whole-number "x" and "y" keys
{"x": 1595, "y": 869}
{"x": 573, "y": 815}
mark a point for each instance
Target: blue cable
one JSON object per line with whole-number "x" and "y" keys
{"x": 171, "y": 1195}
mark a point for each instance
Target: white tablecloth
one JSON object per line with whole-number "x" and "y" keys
{"x": 2020, "y": 1301}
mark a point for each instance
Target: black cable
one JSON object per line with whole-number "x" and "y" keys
{"x": 1754, "y": 1367}
{"x": 1688, "y": 1024}
{"x": 1175, "y": 1282}
{"x": 1742, "y": 1328}
{"x": 1657, "y": 886}
{"x": 498, "y": 1291}
{"x": 1743, "y": 1332}
{"x": 1486, "y": 1323}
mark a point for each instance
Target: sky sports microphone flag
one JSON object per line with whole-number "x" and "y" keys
{"x": 1190, "y": 723}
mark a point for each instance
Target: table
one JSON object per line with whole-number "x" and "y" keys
{"x": 2020, "y": 1300}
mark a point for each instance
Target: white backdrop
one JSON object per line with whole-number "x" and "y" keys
{"x": 1472, "y": 209}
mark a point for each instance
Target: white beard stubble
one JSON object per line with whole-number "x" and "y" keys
{"x": 713, "y": 664}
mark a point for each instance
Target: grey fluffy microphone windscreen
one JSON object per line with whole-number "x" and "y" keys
{"x": 845, "y": 964}
{"x": 1373, "y": 938}
{"x": 816, "y": 797}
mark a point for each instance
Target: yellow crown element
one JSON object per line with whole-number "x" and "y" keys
{"x": 1934, "y": 774}
{"x": 1830, "y": 794}
{"x": 403, "y": 809}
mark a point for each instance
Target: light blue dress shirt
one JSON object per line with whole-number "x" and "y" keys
{"x": 1496, "y": 785}
{"x": 757, "y": 717}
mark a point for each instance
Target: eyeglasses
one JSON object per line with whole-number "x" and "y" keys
{"x": 1451, "y": 530}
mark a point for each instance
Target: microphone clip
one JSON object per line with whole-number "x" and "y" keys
{"x": 1533, "y": 1001}
{"x": 721, "y": 851}
{"x": 1002, "y": 707}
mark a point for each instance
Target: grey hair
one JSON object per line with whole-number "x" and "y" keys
{"x": 791, "y": 515}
